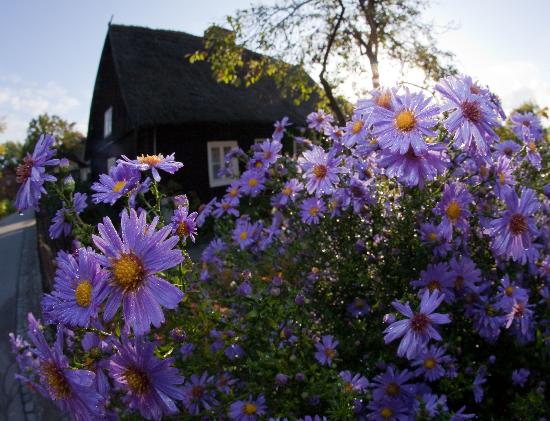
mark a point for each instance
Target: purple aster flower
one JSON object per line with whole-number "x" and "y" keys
{"x": 252, "y": 182}
{"x": 224, "y": 207}
{"x": 121, "y": 180}
{"x": 326, "y": 350}
{"x": 61, "y": 221}
{"x": 508, "y": 292}
{"x": 454, "y": 209}
{"x": 430, "y": 363}
{"x": 244, "y": 233}
{"x": 224, "y": 382}
{"x": 183, "y": 224}
{"x": 410, "y": 118}
{"x": 464, "y": 273}
{"x": 181, "y": 201}
{"x": 197, "y": 394}
{"x": 247, "y": 410}
{"x": 186, "y": 350}
{"x": 381, "y": 97}
{"x": 289, "y": 192}
{"x": 418, "y": 328}
{"x": 72, "y": 390}
{"x": 358, "y": 307}
{"x": 522, "y": 314}
{"x": 311, "y": 210}
{"x": 153, "y": 163}
{"x": 151, "y": 385}
{"x": 461, "y": 416}
{"x": 79, "y": 289}
{"x": 388, "y": 410}
{"x": 507, "y": 148}
{"x": 31, "y": 173}
{"x": 428, "y": 406}
{"x": 413, "y": 170}
{"x": 356, "y": 131}
{"x": 281, "y": 379}
{"x": 233, "y": 192}
{"x": 519, "y": 377}
{"x": 472, "y": 118}
{"x": 480, "y": 379}
{"x": 353, "y": 383}
{"x": 533, "y": 156}
{"x": 269, "y": 151}
{"x": 280, "y": 128}
{"x": 204, "y": 212}
{"x": 234, "y": 352}
{"x": 320, "y": 170}
{"x": 392, "y": 385}
{"x": 320, "y": 121}
{"x": 134, "y": 262}
{"x": 436, "y": 277}
{"x": 526, "y": 125}
{"x": 513, "y": 232}
{"x": 504, "y": 176}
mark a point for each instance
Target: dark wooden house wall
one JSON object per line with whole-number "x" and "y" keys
{"x": 107, "y": 93}
{"x": 190, "y": 144}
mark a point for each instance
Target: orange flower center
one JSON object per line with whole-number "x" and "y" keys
{"x": 453, "y": 211}
{"x": 119, "y": 185}
{"x": 384, "y": 99}
{"x": 56, "y": 380}
{"x": 429, "y": 363}
{"x": 313, "y": 211}
{"x": 183, "y": 229}
{"x": 501, "y": 178}
{"x": 532, "y": 146}
{"x": 320, "y": 171}
{"x": 287, "y": 191}
{"x": 83, "y": 294}
{"x": 405, "y": 121}
{"x": 150, "y": 160}
{"x": 357, "y": 126}
{"x": 138, "y": 382}
{"x": 128, "y": 271}
{"x": 250, "y": 408}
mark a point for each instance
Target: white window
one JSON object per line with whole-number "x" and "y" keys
{"x": 216, "y": 161}
{"x": 108, "y": 122}
{"x": 111, "y": 162}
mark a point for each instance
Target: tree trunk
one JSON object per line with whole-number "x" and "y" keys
{"x": 332, "y": 101}
{"x": 375, "y": 74}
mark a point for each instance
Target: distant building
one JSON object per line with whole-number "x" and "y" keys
{"x": 149, "y": 99}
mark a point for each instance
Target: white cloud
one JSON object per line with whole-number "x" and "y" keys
{"x": 21, "y": 101}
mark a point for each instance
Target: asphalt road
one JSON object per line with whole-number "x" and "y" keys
{"x": 20, "y": 291}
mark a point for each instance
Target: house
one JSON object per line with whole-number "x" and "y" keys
{"x": 149, "y": 99}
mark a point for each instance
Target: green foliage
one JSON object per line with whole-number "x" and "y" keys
{"x": 67, "y": 139}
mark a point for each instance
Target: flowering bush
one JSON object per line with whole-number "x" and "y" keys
{"x": 397, "y": 269}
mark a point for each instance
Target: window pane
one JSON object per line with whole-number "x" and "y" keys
{"x": 215, "y": 153}
{"x": 215, "y": 170}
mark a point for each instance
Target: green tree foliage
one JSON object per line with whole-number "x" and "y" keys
{"x": 68, "y": 138}
{"x": 328, "y": 38}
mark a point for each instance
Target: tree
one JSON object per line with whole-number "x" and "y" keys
{"x": 329, "y": 38}
{"x": 67, "y": 138}
{"x": 2, "y": 125}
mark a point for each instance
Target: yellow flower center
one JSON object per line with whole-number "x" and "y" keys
{"x": 501, "y": 178}
{"x": 392, "y": 389}
{"x": 287, "y": 191}
{"x": 119, "y": 185}
{"x": 429, "y": 363}
{"x": 532, "y": 146}
{"x": 313, "y": 211}
{"x": 330, "y": 353}
{"x": 432, "y": 236}
{"x": 509, "y": 291}
{"x": 483, "y": 171}
{"x": 83, "y": 294}
{"x": 453, "y": 211}
{"x": 357, "y": 126}
{"x": 320, "y": 171}
{"x": 150, "y": 160}
{"x": 250, "y": 408}
{"x": 138, "y": 382}
{"x": 243, "y": 236}
{"x": 233, "y": 192}
{"x": 405, "y": 121}
{"x": 56, "y": 380}
{"x": 386, "y": 412}
{"x": 128, "y": 271}
{"x": 252, "y": 182}
{"x": 348, "y": 387}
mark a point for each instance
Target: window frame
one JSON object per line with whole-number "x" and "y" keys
{"x": 108, "y": 117}
{"x": 213, "y": 180}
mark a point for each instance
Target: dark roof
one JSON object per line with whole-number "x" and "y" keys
{"x": 160, "y": 86}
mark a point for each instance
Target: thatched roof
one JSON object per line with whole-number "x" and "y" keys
{"x": 160, "y": 86}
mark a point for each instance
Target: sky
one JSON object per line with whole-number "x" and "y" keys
{"x": 50, "y": 50}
